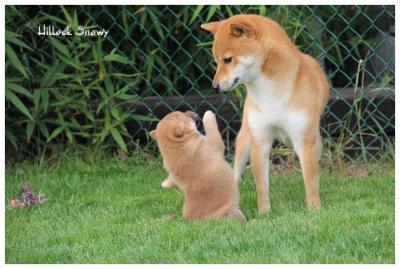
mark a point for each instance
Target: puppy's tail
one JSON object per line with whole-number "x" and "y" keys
{"x": 235, "y": 214}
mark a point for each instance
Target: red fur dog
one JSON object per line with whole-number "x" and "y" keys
{"x": 287, "y": 93}
{"x": 196, "y": 164}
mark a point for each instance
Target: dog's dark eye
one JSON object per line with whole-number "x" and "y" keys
{"x": 227, "y": 60}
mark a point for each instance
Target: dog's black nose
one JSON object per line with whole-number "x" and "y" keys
{"x": 215, "y": 86}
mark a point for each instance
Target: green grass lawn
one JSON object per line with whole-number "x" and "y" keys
{"x": 114, "y": 212}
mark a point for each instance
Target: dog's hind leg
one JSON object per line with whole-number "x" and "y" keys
{"x": 260, "y": 150}
{"x": 309, "y": 152}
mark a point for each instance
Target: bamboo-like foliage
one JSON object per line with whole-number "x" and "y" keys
{"x": 73, "y": 89}
{"x": 69, "y": 89}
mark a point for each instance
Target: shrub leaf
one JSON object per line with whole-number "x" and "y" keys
{"x": 117, "y": 137}
{"x": 18, "y": 103}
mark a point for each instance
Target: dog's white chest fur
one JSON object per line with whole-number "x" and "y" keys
{"x": 273, "y": 118}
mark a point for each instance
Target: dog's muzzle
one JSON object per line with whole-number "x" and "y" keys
{"x": 193, "y": 115}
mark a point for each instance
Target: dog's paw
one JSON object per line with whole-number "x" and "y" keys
{"x": 209, "y": 115}
{"x": 167, "y": 184}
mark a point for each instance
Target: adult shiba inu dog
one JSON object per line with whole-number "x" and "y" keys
{"x": 196, "y": 164}
{"x": 287, "y": 93}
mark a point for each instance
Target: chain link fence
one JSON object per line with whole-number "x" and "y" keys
{"x": 171, "y": 60}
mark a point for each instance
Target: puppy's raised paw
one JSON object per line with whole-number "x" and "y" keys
{"x": 209, "y": 115}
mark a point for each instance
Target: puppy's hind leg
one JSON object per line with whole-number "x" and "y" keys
{"x": 168, "y": 182}
{"x": 234, "y": 213}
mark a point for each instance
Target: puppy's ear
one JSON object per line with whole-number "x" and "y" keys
{"x": 178, "y": 131}
{"x": 153, "y": 135}
{"x": 211, "y": 26}
{"x": 242, "y": 29}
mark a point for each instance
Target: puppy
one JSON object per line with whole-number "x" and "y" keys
{"x": 196, "y": 164}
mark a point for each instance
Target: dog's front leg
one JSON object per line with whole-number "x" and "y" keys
{"x": 259, "y": 159}
{"x": 242, "y": 152}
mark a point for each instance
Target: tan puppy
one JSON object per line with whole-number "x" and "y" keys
{"x": 287, "y": 93}
{"x": 197, "y": 166}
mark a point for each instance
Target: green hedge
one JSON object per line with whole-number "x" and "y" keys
{"x": 73, "y": 89}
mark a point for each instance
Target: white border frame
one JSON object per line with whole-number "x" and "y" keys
{"x": 176, "y": 2}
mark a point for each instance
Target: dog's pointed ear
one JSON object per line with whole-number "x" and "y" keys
{"x": 242, "y": 29}
{"x": 211, "y": 26}
{"x": 153, "y": 135}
